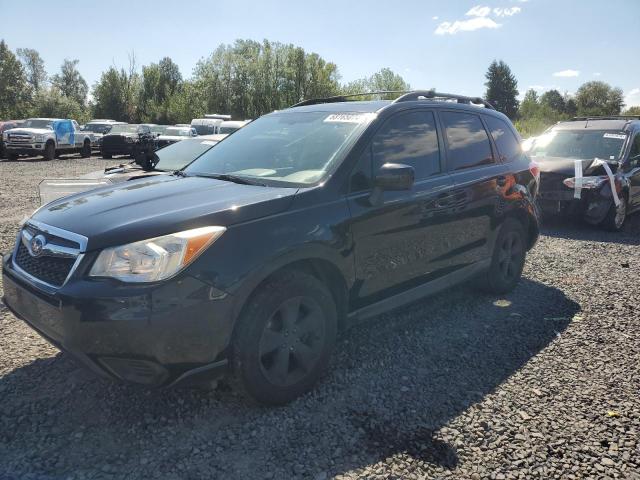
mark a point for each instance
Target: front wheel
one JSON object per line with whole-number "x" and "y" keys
{"x": 12, "y": 156}
{"x": 616, "y": 217}
{"x": 284, "y": 338}
{"x": 508, "y": 258}
{"x": 49, "y": 151}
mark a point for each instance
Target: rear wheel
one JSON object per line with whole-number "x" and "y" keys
{"x": 49, "y": 151}
{"x": 616, "y": 217}
{"x": 284, "y": 338}
{"x": 508, "y": 258}
{"x": 86, "y": 150}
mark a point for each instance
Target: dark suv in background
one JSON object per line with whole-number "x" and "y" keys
{"x": 581, "y": 159}
{"x": 255, "y": 256}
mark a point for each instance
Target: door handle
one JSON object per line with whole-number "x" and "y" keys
{"x": 501, "y": 181}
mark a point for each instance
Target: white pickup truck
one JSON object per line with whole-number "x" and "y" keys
{"x": 46, "y": 137}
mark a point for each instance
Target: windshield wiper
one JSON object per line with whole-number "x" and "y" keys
{"x": 229, "y": 178}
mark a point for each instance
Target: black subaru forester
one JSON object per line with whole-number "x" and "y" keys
{"x": 253, "y": 258}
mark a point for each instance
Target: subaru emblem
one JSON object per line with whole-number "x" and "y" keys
{"x": 37, "y": 245}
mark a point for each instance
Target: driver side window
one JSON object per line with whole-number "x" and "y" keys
{"x": 634, "y": 154}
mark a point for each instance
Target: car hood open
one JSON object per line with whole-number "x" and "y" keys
{"x": 566, "y": 166}
{"x": 159, "y": 205}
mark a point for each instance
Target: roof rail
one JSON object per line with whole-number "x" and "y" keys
{"x": 405, "y": 96}
{"x": 343, "y": 98}
{"x": 608, "y": 117}
{"x": 433, "y": 95}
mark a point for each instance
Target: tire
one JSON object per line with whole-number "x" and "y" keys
{"x": 284, "y": 338}
{"x": 616, "y": 216}
{"x": 507, "y": 260}
{"x": 49, "y": 151}
{"x": 86, "y": 150}
{"x": 106, "y": 156}
{"x": 12, "y": 156}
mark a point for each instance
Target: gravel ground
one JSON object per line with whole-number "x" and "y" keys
{"x": 541, "y": 383}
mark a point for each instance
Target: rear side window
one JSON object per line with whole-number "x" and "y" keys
{"x": 468, "y": 143}
{"x": 507, "y": 143}
{"x": 411, "y": 139}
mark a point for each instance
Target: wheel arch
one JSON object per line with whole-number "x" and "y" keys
{"x": 527, "y": 221}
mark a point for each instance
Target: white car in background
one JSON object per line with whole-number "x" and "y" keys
{"x": 210, "y": 124}
{"x": 172, "y": 158}
{"x": 175, "y": 134}
{"x": 230, "y": 126}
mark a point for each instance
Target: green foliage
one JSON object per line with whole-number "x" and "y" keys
{"x": 52, "y": 103}
{"x": 598, "y": 98}
{"x": 160, "y": 82}
{"x": 34, "y": 68}
{"x": 383, "y": 80}
{"x": 502, "y": 88}
{"x": 553, "y": 100}
{"x": 115, "y": 95}
{"x": 70, "y": 83}
{"x": 15, "y": 93}
{"x": 632, "y": 110}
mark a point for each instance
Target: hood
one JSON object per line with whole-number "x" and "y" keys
{"x": 159, "y": 205}
{"x": 29, "y": 131}
{"x": 566, "y": 166}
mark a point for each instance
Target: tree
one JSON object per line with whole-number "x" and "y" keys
{"x": 383, "y": 80}
{"x": 554, "y": 100}
{"x": 51, "y": 103}
{"x": 15, "y": 94}
{"x": 530, "y": 105}
{"x": 502, "y": 88}
{"x": 635, "y": 110}
{"x": 70, "y": 82}
{"x": 159, "y": 82}
{"x": 598, "y": 98}
{"x": 115, "y": 95}
{"x": 34, "y": 68}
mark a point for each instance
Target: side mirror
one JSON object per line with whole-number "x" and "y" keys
{"x": 395, "y": 176}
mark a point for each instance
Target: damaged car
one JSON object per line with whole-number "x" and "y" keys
{"x": 590, "y": 168}
{"x": 128, "y": 139}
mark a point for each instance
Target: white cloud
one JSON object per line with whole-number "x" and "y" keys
{"x": 596, "y": 74}
{"x": 567, "y": 73}
{"x": 470, "y": 25}
{"x": 632, "y": 98}
{"x": 506, "y": 12}
{"x": 435, "y": 17}
{"x": 478, "y": 11}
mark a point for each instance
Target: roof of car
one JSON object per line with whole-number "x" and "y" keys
{"x": 610, "y": 123}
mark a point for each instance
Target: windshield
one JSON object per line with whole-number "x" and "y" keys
{"x": 228, "y": 129}
{"x": 177, "y": 156}
{"x": 204, "y": 129}
{"x": 97, "y": 127}
{"x": 124, "y": 129}
{"x": 36, "y": 123}
{"x": 285, "y": 148}
{"x": 178, "y": 132}
{"x": 578, "y": 144}
{"x": 158, "y": 129}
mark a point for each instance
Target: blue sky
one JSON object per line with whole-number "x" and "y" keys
{"x": 444, "y": 44}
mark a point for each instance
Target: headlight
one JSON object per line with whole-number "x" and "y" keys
{"x": 39, "y": 138}
{"x": 154, "y": 259}
{"x": 585, "y": 182}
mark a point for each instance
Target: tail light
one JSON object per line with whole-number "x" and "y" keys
{"x": 534, "y": 168}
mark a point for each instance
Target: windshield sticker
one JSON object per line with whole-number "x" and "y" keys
{"x": 615, "y": 135}
{"x": 207, "y": 142}
{"x": 348, "y": 117}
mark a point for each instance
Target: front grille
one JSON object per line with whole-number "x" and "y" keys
{"x": 51, "y": 270}
{"x": 17, "y": 138}
{"x": 552, "y": 182}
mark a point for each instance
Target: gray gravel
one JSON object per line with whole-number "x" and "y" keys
{"x": 540, "y": 383}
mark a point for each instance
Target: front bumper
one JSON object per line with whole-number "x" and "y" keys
{"x": 122, "y": 149}
{"x": 593, "y": 205}
{"x": 156, "y": 335}
{"x": 25, "y": 149}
